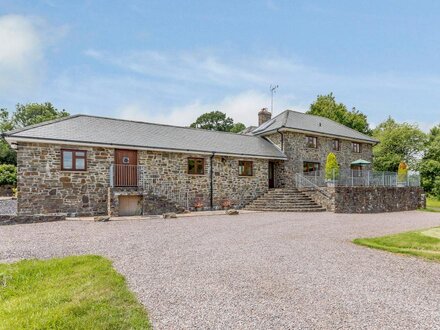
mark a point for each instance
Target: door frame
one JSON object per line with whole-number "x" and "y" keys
{"x": 125, "y": 177}
{"x": 271, "y": 174}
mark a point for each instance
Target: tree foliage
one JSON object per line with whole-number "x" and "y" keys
{"x": 430, "y": 164}
{"x": 24, "y": 115}
{"x": 237, "y": 128}
{"x": 398, "y": 142}
{"x": 8, "y": 174}
{"x": 217, "y": 121}
{"x": 326, "y": 106}
{"x": 331, "y": 167}
{"x": 35, "y": 113}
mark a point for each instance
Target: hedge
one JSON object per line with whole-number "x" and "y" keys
{"x": 8, "y": 175}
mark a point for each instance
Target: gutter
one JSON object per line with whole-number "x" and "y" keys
{"x": 282, "y": 137}
{"x": 211, "y": 176}
{"x": 14, "y": 139}
{"x": 342, "y": 137}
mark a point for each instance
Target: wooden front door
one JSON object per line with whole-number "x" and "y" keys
{"x": 271, "y": 175}
{"x": 126, "y": 171}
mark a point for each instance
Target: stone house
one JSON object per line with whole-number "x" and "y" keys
{"x": 88, "y": 165}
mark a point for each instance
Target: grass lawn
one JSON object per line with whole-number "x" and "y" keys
{"x": 83, "y": 292}
{"x": 422, "y": 243}
{"x": 432, "y": 205}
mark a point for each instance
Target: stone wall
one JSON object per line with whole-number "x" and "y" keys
{"x": 151, "y": 204}
{"x": 238, "y": 189}
{"x": 13, "y": 219}
{"x": 170, "y": 169}
{"x": 297, "y": 152}
{"x": 368, "y": 199}
{"x": 376, "y": 199}
{"x": 325, "y": 197}
{"x": 43, "y": 187}
{"x": 6, "y": 190}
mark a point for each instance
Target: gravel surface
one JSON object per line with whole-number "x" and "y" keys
{"x": 255, "y": 271}
{"x": 8, "y": 206}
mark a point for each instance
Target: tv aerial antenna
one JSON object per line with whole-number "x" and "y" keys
{"x": 273, "y": 90}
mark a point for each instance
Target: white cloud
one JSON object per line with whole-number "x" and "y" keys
{"x": 23, "y": 41}
{"x": 176, "y": 87}
{"x": 21, "y": 53}
{"x": 242, "y": 107}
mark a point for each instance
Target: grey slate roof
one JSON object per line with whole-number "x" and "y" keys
{"x": 310, "y": 123}
{"x": 248, "y": 130}
{"x": 84, "y": 129}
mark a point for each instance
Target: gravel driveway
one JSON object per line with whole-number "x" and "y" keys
{"x": 255, "y": 271}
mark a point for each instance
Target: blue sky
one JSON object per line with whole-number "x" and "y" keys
{"x": 170, "y": 61}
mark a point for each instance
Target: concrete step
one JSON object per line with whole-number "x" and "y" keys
{"x": 281, "y": 201}
{"x": 268, "y": 198}
{"x": 284, "y": 200}
{"x": 320, "y": 209}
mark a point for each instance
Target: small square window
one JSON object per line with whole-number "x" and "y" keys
{"x": 196, "y": 166}
{"x": 311, "y": 142}
{"x": 73, "y": 160}
{"x": 356, "y": 147}
{"x": 245, "y": 168}
{"x": 311, "y": 168}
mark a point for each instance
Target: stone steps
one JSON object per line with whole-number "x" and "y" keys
{"x": 284, "y": 200}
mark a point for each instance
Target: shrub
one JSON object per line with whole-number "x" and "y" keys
{"x": 402, "y": 172}
{"x": 8, "y": 174}
{"x": 331, "y": 167}
{"x": 436, "y": 189}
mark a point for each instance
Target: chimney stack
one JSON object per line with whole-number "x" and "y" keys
{"x": 263, "y": 116}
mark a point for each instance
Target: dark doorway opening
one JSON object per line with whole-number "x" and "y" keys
{"x": 271, "y": 175}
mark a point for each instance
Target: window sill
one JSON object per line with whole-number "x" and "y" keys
{"x": 190, "y": 174}
{"x": 74, "y": 171}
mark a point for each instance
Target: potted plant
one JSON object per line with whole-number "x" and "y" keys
{"x": 331, "y": 170}
{"x": 226, "y": 204}
{"x": 402, "y": 174}
{"x": 198, "y": 204}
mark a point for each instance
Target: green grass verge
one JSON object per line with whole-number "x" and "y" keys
{"x": 83, "y": 292}
{"x": 422, "y": 243}
{"x": 432, "y": 205}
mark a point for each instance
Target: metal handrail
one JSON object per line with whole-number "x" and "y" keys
{"x": 300, "y": 178}
{"x": 350, "y": 177}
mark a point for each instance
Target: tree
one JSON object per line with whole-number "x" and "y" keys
{"x": 35, "y": 113}
{"x": 217, "y": 121}
{"x": 24, "y": 115}
{"x": 331, "y": 167}
{"x": 398, "y": 142}
{"x": 237, "y": 128}
{"x": 430, "y": 164}
{"x": 326, "y": 106}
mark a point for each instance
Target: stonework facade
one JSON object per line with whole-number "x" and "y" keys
{"x": 42, "y": 187}
{"x": 295, "y": 148}
{"x": 368, "y": 199}
{"x": 164, "y": 181}
{"x": 171, "y": 170}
